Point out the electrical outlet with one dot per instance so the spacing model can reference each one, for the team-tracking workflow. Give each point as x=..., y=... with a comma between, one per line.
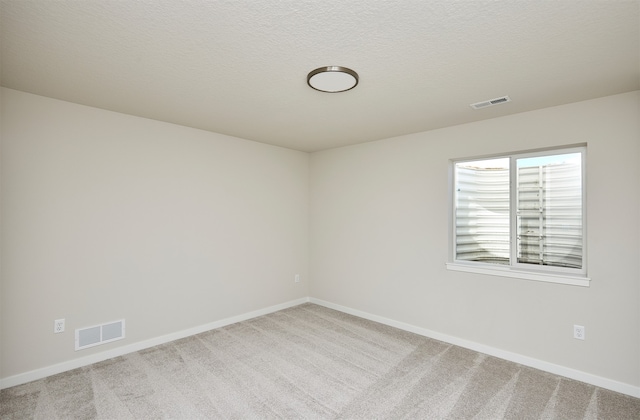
x=578, y=332
x=58, y=326
x=297, y=278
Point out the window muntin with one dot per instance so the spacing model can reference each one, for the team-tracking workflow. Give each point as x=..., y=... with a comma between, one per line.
x=523, y=211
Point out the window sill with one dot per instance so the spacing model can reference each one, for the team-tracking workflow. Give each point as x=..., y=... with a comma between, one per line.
x=526, y=275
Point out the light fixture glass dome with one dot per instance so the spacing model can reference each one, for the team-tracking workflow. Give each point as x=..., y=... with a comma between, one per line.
x=332, y=79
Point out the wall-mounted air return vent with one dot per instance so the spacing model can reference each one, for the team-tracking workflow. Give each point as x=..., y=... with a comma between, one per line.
x=99, y=334
x=491, y=102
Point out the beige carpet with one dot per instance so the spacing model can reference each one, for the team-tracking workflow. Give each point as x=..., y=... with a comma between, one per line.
x=310, y=362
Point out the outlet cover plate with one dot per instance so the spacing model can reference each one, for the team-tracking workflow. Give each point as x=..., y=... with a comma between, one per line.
x=58, y=326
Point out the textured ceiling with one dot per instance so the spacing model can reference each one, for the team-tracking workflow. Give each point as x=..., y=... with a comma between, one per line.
x=239, y=67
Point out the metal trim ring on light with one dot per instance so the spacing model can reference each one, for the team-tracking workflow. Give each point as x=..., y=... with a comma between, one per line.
x=333, y=69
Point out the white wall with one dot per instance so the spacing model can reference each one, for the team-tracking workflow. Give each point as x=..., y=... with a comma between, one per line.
x=108, y=216
x=379, y=239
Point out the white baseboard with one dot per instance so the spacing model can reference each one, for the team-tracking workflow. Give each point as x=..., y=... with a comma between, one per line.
x=130, y=348
x=599, y=381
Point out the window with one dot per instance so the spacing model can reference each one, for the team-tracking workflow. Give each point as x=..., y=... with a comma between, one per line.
x=521, y=215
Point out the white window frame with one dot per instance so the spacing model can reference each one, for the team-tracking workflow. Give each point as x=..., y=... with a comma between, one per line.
x=570, y=276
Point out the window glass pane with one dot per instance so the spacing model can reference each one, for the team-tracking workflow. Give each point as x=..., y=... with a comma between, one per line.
x=549, y=210
x=482, y=211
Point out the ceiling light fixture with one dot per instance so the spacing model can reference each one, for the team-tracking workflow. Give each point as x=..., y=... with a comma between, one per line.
x=332, y=79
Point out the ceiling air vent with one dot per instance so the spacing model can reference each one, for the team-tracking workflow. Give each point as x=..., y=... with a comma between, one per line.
x=491, y=102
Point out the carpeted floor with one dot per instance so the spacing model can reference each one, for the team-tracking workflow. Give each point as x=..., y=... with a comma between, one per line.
x=310, y=362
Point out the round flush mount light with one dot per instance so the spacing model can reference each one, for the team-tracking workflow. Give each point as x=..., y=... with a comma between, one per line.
x=332, y=79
